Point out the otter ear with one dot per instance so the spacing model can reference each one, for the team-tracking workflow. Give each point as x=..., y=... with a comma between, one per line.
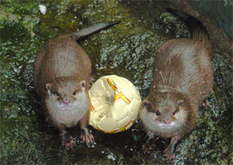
x=147, y=105
x=180, y=102
x=48, y=87
x=83, y=85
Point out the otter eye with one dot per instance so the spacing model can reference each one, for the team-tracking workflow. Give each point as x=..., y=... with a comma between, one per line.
x=57, y=94
x=157, y=113
x=175, y=112
x=74, y=93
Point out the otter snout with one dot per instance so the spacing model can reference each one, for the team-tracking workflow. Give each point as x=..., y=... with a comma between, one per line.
x=66, y=102
x=167, y=121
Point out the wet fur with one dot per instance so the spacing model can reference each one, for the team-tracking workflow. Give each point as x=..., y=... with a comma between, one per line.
x=62, y=62
x=60, y=57
x=182, y=126
x=182, y=73
x=62, y=73
x=71, y=117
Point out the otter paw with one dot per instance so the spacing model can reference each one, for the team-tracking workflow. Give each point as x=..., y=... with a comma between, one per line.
x=206, y=103
x=86, y=136
x=170, y=155
x=148, y=146
x=67, y=141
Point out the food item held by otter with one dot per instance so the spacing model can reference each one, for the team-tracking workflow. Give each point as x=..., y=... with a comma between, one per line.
x=62, y=74
x=182, y=80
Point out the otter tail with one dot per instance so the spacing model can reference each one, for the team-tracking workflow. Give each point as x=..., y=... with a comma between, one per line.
x=197, y=29
x=92, y=29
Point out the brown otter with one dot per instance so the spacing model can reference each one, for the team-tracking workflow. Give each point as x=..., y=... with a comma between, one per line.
x=182, y=80
x=62, y=74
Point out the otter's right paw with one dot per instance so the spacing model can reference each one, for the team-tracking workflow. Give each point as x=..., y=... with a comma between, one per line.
x=148, y=146
x=67, y=141
x=169, y=152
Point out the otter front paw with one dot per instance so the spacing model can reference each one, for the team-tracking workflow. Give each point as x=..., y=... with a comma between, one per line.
x=87, y=137
x=169, y=153
x=148, y=146
x=206, y=103
x=67, y=141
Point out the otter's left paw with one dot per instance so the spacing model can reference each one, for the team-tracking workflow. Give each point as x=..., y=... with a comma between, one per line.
x=206, y=104
x=169, y=153
x=87, y=137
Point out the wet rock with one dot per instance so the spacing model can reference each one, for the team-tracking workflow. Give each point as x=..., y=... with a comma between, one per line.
x=126, y=50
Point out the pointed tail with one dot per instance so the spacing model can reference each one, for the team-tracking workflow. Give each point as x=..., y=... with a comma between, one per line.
x=197, y=29
x=93, y=29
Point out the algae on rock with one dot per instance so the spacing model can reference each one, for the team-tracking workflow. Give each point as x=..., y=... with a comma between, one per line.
x=127, y=50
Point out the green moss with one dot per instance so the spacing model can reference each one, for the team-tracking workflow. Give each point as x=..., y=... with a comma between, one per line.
x=60, y=19
x=12, y=32
x=128, y=50
x=20, y=6
x=24, y=132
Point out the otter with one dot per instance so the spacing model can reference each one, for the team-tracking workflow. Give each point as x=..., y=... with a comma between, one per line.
x=182, y=78
x=62, y=72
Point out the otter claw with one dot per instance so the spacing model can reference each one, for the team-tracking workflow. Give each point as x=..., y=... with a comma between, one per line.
x=148, y=146
x=206, y=104
x=169, y=154
x=87, y=137
x=67, y=141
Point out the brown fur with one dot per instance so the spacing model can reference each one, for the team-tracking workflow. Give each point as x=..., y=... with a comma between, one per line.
x=62, y=73
x=60, y=66
x=182, y=80
x=60, y=57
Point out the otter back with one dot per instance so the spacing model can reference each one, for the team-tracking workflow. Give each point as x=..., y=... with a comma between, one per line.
x=184, y=65
x=60, y=57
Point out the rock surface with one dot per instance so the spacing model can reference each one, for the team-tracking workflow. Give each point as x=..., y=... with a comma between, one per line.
x=126, y=50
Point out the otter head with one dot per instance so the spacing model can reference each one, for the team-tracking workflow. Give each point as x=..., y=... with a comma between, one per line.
x=66, y=94
x=164, y=117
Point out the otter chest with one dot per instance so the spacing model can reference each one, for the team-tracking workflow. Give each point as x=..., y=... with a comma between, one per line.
x=71, y=117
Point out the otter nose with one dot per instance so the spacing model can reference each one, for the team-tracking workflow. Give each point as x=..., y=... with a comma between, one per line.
x=167, y=121
x=66, y=101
